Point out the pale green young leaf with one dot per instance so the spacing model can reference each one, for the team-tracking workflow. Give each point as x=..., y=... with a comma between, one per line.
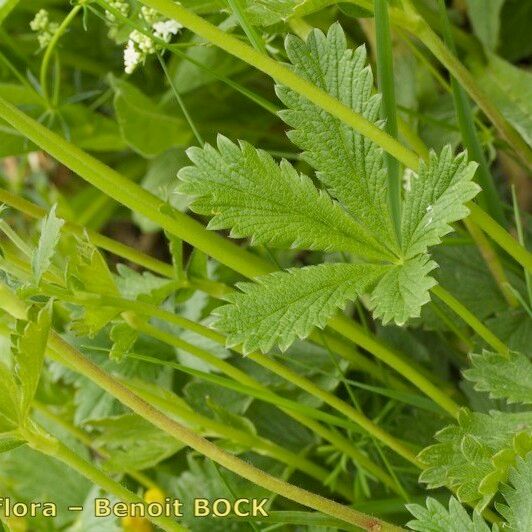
x=351, y=166
x=518, y=508
x=283, y=306
x=403, y=290
x=473, y=456
x=434, y=517
x=89, y=272
x=244, y=189
x=434, y=198
x=124, y=338
x=43, y=254
x=29, y=347
x=504, y=377
x=9, y=400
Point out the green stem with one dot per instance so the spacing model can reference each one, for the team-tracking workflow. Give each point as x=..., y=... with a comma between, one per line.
x=356, y=334
x=54, y=448
x=254, y=38
x=72, y=358
x=253, y=442
x=431, y=40
x=386, y=85
x=86, y=440
x=488, y=197
x=492, y=261
x=500, y=236
x=521, y=238
x=470, y=319
x=51, y=47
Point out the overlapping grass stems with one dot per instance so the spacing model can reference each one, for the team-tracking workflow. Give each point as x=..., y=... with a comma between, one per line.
x=250, y=265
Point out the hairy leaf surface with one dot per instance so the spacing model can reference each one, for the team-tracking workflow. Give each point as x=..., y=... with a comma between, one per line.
x=503, y=377
x=434, y=199
x=283, y=306
x=402, y=291
x=351, y=166
x=436, y=518
x=246, y=191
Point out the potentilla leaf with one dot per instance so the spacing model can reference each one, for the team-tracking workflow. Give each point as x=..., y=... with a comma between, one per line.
x=351, y=166
x=283, y=306
x=434, y=199
x=434, y=517
x=29, y=347
x=245, y=190
x=504, y=377
x=474, y=456
x=518, y=510
x=402, y=292
x=43, y=254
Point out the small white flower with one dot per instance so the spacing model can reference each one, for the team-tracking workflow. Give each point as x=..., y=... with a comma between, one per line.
x=132, y=57
x=165, y=29
x=119, y=5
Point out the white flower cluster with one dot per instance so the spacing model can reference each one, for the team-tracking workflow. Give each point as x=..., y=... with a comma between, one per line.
x=43, y=27
x=140, y=46
x=119, y=5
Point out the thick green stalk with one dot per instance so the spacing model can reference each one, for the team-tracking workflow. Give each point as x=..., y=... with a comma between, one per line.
x=72, y=358
x=470, y=319
x=54, y=448
x=45, y=65
x=488, y=197
x=386, y=85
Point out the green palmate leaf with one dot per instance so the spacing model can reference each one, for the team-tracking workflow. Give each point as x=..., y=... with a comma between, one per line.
x=472, y=457
x=43, y=254
x=351, y=166
x=247, y=191
x=436, y=518
x=9, y=400
x=434, y=199
x=402, y=291
x=283, y=306
x=504, y=377
x=29, y=347
x=518, y=511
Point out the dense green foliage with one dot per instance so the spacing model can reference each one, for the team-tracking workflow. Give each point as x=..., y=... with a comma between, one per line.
x=254, y=246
